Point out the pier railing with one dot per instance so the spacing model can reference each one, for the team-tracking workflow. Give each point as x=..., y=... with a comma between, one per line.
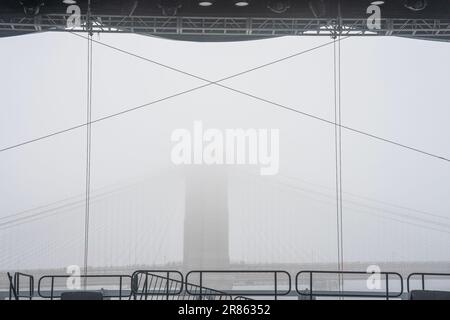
x=385, y=293
x=277, y=277
x=224, y=285
x=54, y=290
x=424, y=276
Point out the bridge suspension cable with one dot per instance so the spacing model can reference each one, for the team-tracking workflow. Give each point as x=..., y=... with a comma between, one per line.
x=338, y=150
x=218, y=83
x=88, y=143
x=210, y=83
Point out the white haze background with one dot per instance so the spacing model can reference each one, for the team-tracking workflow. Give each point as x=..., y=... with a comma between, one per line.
x=392, y=87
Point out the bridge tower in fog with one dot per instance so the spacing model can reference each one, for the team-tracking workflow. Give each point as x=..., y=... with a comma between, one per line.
x=206, y=244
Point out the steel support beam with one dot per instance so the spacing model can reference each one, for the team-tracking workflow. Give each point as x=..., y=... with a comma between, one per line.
x=223, y=27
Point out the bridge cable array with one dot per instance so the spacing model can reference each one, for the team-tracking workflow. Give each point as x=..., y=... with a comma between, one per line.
x=210, y=83
x=218, y=83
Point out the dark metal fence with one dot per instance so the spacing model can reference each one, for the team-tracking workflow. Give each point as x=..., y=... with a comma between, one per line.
x=156, y=284
x=12, y=289
x=172, y=285
x=56, y=294
x=273, y=274
x=169, y=285
x=423, y=279
x=17, y=281
x=311, y=293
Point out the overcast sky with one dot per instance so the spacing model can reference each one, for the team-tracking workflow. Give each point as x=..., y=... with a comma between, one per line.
x=396, y=201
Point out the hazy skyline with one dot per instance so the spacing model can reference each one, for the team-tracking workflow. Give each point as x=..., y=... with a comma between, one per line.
x=392, y=87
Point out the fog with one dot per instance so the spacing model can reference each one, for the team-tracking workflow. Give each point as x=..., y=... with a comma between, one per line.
x=396, y=201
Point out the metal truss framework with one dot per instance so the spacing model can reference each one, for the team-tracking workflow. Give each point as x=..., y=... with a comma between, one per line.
x=437, y=29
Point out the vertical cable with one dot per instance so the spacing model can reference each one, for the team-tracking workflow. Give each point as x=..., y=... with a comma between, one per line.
x=88, y=143
x=340, y=154
x=338, y=145
x=340, y=157
x=336, y=149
